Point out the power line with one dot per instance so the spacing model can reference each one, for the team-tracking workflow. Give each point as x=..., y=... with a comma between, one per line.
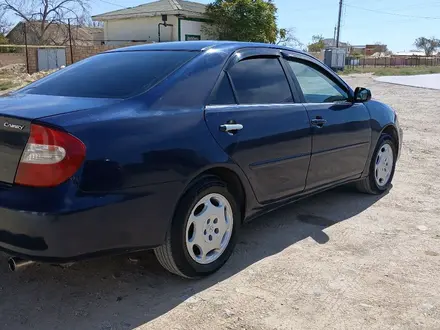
x=393, y=14
x=112, y=3
x=380, y=2
x=410, y=7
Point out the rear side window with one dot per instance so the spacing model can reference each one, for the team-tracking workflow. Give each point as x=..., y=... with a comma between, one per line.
x=223, y=94
x=112, y=75
x=260, y=81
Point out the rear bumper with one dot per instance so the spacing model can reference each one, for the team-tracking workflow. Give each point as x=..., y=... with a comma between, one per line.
x=100, y=225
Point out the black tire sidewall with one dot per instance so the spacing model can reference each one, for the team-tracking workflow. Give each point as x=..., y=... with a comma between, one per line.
x=181, y=256
x=384, y=139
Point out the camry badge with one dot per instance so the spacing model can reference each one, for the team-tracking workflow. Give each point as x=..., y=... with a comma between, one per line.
x=20, y=127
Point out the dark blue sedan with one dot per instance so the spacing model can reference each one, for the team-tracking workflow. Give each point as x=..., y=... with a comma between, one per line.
x=172, y=146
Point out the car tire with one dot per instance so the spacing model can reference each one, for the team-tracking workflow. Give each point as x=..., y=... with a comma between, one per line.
x=200, y=240
x=380, y=174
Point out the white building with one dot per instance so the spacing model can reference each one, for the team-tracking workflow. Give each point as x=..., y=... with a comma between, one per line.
x=163, y=20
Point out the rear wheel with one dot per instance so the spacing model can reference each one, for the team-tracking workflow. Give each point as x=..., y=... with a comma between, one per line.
x=382, y=167
x=203, y=232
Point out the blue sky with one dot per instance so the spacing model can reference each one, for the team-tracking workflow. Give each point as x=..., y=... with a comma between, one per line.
x=363, y=21
x=396, y=23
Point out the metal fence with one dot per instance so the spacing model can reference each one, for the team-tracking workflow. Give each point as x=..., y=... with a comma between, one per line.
x=392, y=61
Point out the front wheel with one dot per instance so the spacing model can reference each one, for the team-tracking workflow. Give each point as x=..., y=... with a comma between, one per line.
x=203, y=232
x=382, y=167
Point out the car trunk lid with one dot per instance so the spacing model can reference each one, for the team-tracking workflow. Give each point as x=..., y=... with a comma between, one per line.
x=33, y=106
x=18, y=111
x=14, y=134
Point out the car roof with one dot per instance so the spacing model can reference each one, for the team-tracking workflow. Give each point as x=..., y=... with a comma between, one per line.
x=201, y=45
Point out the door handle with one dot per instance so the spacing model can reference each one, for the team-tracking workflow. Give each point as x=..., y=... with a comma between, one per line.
x=231, y=128
x=318, y=122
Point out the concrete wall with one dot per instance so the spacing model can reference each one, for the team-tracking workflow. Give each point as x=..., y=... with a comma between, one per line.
x=140, y=29
x=191, y=28
x=121, y=31
x=318, y=55
x=79, y=53
x=12, y=58
x=82, y=52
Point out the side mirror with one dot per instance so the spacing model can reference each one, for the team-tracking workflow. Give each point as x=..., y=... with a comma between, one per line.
x=362, y=94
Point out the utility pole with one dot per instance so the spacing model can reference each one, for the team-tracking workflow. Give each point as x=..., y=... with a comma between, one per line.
x=26, y=45
x=339, y=23
x=70, y=40
x=334, y=36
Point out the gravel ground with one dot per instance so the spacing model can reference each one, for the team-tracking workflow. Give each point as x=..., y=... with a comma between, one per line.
x=339, y=260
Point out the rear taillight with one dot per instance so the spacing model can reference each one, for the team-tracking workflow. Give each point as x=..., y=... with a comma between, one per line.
x=50, y=157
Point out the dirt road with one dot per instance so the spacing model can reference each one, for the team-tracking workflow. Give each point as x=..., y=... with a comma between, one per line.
x=339, y=260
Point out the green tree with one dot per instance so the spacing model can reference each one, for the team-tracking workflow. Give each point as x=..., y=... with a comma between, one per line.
x=4, y=28
x=242, y=20
x=286, y=37
x=3, y=39
x=356, y=54
x=317, y=44
x=429, y=45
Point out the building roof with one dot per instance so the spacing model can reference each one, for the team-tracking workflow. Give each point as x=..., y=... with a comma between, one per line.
x=156, y=8
x=330, y=42
x=381, y=54
x=413, y=53
x=57, y=34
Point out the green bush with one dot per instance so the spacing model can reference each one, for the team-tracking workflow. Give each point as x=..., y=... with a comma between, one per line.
x=4, y=85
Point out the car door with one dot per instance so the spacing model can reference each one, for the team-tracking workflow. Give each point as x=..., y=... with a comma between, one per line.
x=341, y=131
x=253, y=117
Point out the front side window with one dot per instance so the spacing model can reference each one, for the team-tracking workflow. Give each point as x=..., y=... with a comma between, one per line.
x=260, y=81
x=317, y=87
x=111, y=75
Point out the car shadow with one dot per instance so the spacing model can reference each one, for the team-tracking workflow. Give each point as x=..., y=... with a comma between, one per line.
x=123, y=292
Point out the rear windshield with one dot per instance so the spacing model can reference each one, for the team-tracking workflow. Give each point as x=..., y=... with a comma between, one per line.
x=112, y=75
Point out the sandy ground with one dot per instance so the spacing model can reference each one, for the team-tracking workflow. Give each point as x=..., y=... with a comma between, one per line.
x=423, y=80
x=340, y=260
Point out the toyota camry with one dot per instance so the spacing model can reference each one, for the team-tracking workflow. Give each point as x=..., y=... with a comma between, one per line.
x=173, y=146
